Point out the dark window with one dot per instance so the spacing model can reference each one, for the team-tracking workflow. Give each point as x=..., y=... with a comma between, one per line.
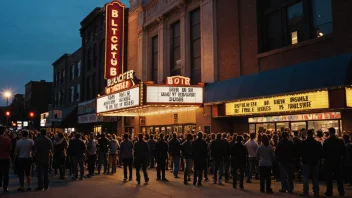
x=73, y=68
x=89, y=59
x=287, y=22
x=196, y=66
x=175, y=51
x=155, y=53
x=78, y=69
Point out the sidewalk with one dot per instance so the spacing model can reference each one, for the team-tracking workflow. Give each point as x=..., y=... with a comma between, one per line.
x=113, y=186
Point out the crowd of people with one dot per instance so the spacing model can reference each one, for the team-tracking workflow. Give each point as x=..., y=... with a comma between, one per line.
x=285, y=156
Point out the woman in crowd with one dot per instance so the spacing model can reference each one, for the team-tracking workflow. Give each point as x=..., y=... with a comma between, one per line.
x=265, y=155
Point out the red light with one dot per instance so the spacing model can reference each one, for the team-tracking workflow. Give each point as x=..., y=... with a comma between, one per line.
x=13, y=124
x=8, y=113
x=31, y=114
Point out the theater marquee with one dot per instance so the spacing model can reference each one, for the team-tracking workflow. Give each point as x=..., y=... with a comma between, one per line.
x=114, y=39
x=287, y=103
x=174, y=94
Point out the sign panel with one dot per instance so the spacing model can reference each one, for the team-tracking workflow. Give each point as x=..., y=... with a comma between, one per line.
x=114, y=38
x=87, y=107
x=296, y=102
x=90, y=118
x=348, y=97
x=118, y=101
x=299, y=117
x=120, y=82
x=178, y=80
x=180, y=95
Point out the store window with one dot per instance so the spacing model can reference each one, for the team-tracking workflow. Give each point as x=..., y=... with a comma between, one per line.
x=97, y=129
x=324, y=125
x=322, y=17
x=175, y=50
x=262, y=127
x=155, y=55
x=297, y=126
x=195, y=47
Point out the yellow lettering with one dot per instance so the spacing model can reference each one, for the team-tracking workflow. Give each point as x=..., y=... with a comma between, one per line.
x=113, y=24
x=113, y=62
x=114, y=31
x=113, y=54
x=114, y=39
x=113, y=47
x=113, y=71
x=115, y=13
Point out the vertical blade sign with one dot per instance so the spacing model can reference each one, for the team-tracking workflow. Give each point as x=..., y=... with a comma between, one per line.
x=114, y=39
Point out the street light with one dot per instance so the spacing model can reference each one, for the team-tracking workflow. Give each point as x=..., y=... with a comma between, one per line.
x=7, y=95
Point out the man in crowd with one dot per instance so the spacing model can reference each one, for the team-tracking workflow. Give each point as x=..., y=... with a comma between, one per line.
x=161, y=149
x=226, y=158
x=285, y=154
x=200, y=154
x=23, y=156
x=333, y=153
x=187, y=155
x=252, y=147
x=310, y=152
x=5, y=149
x=175, y=153
x=43, y=146
x=141, y=154
x=92, y=154
x=127, y=156
x=103, y=145
x=78, y=148
x=218, y=151
x=151, y=146
x=238, y=154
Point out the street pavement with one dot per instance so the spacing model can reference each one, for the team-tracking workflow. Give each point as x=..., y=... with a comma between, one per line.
x=113, y=186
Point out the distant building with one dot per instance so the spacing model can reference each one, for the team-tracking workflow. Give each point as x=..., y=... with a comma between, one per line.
x=38, y=96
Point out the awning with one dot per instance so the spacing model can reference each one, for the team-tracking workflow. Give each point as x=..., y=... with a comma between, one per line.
x=323, y=73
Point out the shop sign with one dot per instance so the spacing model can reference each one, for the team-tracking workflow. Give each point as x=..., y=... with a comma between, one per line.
x=299, y=117
x=178, y=80
x=90, y=118
x=42, y=122
x=118, y=101
x=349, y=97
x=287, y=103
x=120, y=82
x=87, y=107
x=180, y=95
x=114, y=38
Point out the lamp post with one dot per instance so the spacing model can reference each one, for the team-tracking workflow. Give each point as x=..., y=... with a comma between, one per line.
x=7, y=95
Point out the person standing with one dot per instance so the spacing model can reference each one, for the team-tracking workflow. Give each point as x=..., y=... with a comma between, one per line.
x=42, y=148
x=347, y=165
x=310, y=152
x=92, y=154
x=161, y=149
x=238, y=154
x=187, y=155
x=127, y=156
x=200, y=154
x=226, y=157
x=114, y=147
x=5, y=150
x=218, y=150
x=175, y=153
x=141, y=154
x=151, y=146
x=60, y=148
x=103, y=146
x=78, y=149
x=285, y=155
x=252, y=147
x=333, y=153
x=265, y=155
x=23, y=156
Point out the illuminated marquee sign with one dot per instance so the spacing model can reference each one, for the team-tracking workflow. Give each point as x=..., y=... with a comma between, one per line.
x=120, y=82
x=168, y=94
x=297, y=102
x=178, y=80
x=348, y=97
x=114, y=38
x=119, y=100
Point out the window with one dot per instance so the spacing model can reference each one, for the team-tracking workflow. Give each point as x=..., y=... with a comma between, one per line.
x=78, y=92
x=72, y=72
x=89, y=59
x=72, y=91
x=196, y=65
x=322, y=17
x=78, y=69
x=175, y=53
x=282, y=23
x=154, y=70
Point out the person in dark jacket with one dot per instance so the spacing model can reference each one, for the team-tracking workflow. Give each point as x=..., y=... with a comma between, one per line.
x=297, y=163
x=347, y=164
x=218, y=150
x=141, y=154
x=285, y=155
x=226, y=158
x=151, y=146
x=200, y=154
x=161, y=149
x=127, y=156
x=239, y=155
x=5, y=149
x=187, y=155
x=103, y=147
x=78, y=148
x=333, y=153
x=310, y=151
x=175, y=153
x=42, y=148
x=60, y=148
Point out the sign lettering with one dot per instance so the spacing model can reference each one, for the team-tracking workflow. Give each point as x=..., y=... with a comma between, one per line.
x=163, y=94
x=118, y=101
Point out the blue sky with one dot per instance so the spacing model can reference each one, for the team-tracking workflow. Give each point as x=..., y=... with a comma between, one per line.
x=33, y=34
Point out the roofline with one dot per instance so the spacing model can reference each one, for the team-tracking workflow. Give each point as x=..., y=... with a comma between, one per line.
x=58, y=60
x=92, y=15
